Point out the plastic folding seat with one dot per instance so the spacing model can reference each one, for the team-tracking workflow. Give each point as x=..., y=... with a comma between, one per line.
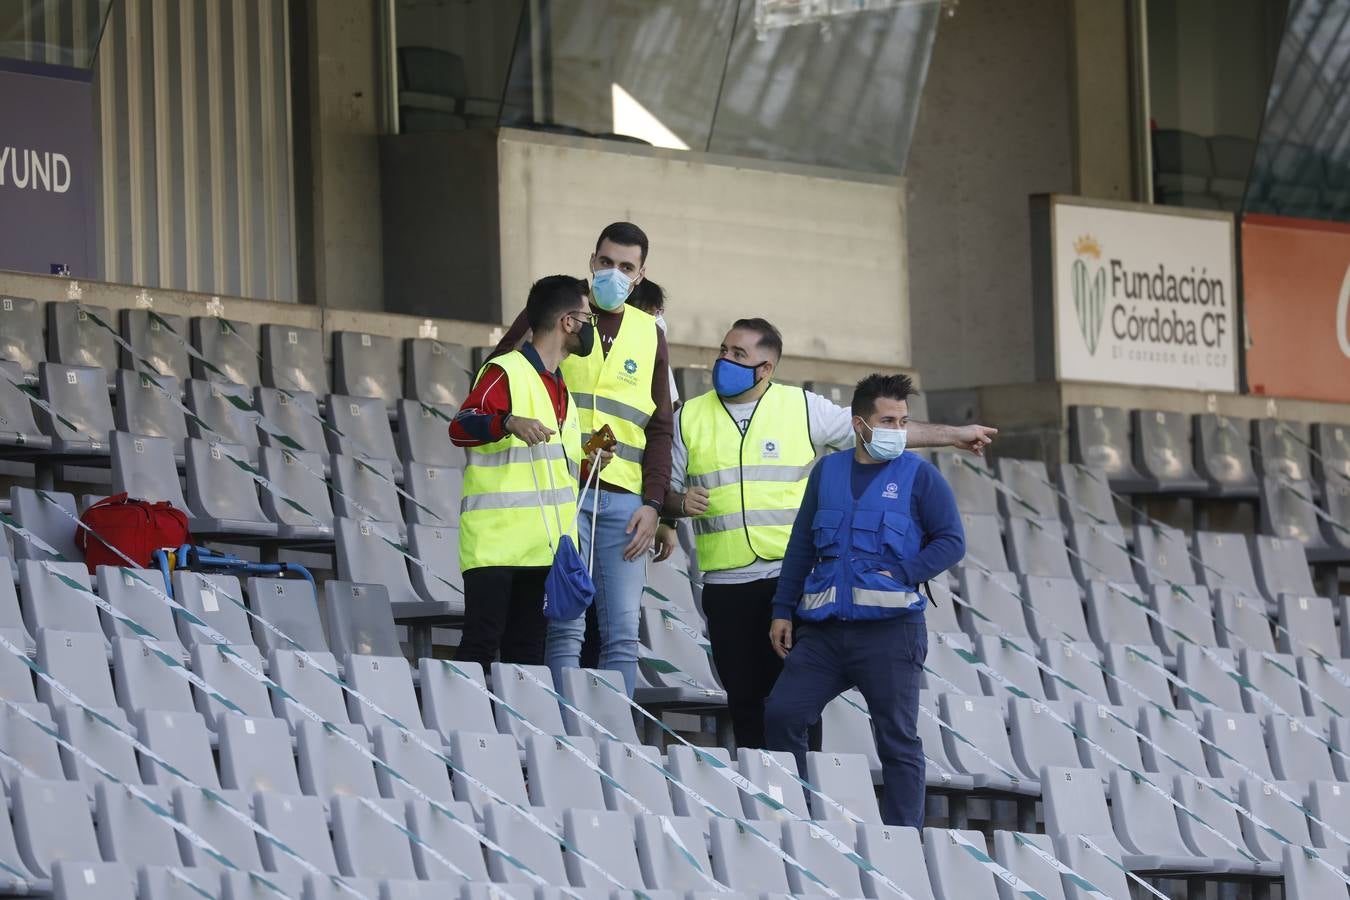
x=1287, y=511
x=980, y=721
x=1034, y=496
x=363, y=555
x=245, y=692
x=48, y=601
x=307, y=685
x=1227, y=848
x=81, y=880
x=896, y=853
x=1183, y=608
x=1241, y=737
x=742, y=862
x=491, y=759
x=1162, y=451
x=513, y=686
x=1264, y=672
x=1036, y=547
x=45, y=520
x=438, y=490
x=945, y=670
x=449, y=702
x=630, y=765
x=1114, y=617
x=940, y=613
x=367, y=844
x=423, y=435
x=359, y=426
x=774, y=771
x=17, y=410
x=1138, y=667
x=156, y=340
x=1164, y=549
x=227, y=412
x=1011, y=851
x=1097, y=725
x=1172, y=745
x=1332, y=443
x=1297, y=749
x=256, y=755
x=846, y=727
x=174, y=883
x=525, y=842
x=846, y=778
x=494, y=891
x=144, y=681
x=670, y=644
x=1266, y=804
x=21, y=333
x=228, y=346
x=803, y=842
x=435, y=371
x=242, y=886
x=181, y=739
x=1038, y=738
x=290, y=605
x=215, y=599
x=438, y=579
x=1281, y=567
x=75, y=337
x=360, y=619
x=51, y=822
x=1338, y=510
x=1223, y=455
x=365, y=365
x=1100, y=437
x=1077, y=662
x=364, y=489
x=440, y=832
x=1282, y=449
x=330, y=765
x=984, y=545
x=1146, y=825
x=1240, y=622
x=387, y=681
x=324, y=888
x=292, y=358
x=1307, y=878
x=143, y=408
x=1206, y=675
x=1017, y=668
x=955, y=873
x=98, y=742
x=144, y=467
x=28, y=743
x=996, y=598
x=77, y=660
x=583, y=688
x=129, y=831
x=298, y=477
x=659, y=858
x=1328, y=802
x=16, y=679
x=425, y=773
x=78, y=397
x=1098, y=871
x=1057, y=608
x=300, y=823
x=293, y=416
x=1099, y=553
x=222, y=498
x=971, y=482
x=134, y=596
x=1084, y=494
x=692, y=769
x=605, y=838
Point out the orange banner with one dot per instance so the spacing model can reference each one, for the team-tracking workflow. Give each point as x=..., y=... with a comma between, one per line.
x=1296, y=286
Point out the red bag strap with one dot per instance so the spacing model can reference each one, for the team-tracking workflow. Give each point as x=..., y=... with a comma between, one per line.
x=114, y=500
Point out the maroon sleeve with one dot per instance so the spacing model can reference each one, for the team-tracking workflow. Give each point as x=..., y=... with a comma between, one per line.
x=480, y=417
x=660, y=429
x=514, y=335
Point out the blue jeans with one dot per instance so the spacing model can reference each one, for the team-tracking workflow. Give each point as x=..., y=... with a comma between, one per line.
x=884, y=659
x=618, y=591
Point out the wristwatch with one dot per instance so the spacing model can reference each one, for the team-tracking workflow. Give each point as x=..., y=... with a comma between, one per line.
x=654, y=504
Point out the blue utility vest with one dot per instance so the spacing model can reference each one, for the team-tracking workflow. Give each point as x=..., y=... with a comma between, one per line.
x=859, y=544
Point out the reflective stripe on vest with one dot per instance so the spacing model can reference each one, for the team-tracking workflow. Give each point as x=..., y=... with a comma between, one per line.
x=500, y=518
x=615, y=389
x=755, y=481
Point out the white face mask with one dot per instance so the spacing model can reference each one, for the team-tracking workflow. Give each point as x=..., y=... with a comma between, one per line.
x=661, y=323
x=886, y=443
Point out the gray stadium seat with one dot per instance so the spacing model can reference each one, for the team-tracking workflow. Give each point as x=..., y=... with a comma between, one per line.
x=1198, y=796
x=660, y=859
x=307, y=685
x=292, y=358
x=1099, y=553
x=943, y=664
x=605, y=838
x=1185, y=608
x=82, y=418
x=77, y=661
x=364, y=489
x=897, y=854
x=45, y=521
x=1038, y=739
x=1287, y=511
x=995, y=597
x=940, y=614
x=1329, y=801
x=672, y=645
x=80, y=880
x=143, y=681
x=526, y=843
x=329, y=765
x=1113, y=616
x=300, y=823
x=694, y=381
x=1027, y=479
x=491, y=759
x=1264, y=672
x=845, y=778
x=1305, y=878
x=584, y=690
x=1241, y=737
x=1308, y=625
x=1162, y=451
x=153, y=343
x=629, y=766
x=974, y=490
x=1208, y=678
x=438, y=579
x=324, y=888
x=1227, y=562
x=437, y=488
x=255, y=755
x=51, y=822
x=48, y=602
x=298, y=477
x=1146, y=826
x=423, y=435
x=846, y=727
x=1223, y=455
x=142, y=407
x=435, y=371
x=1130, y=665
x=21, y=333
x=387, y=682
x=227, y=411
x=1240, y=621
x=1012, y=853
x=1085, y=494
x=955, y=873
x=1058, y=608
x=359, y=426
x=774, y=771
x=449, y=703
x=144, y=467
x=1338, y=509
x=182, y=740
x=441, y=833
x=1324, y=684
x=984, y=545
x=235, y=840
x=1174, y=749
x=803, y=842
x=295, y=415
x=174, y=883
x=1017, y=668
x=365, y=365
x=134, y=597
x=230, y=681
x=228, y=345
x=28, y=743
x=74, y=338
x=222, y=498
x=1100, y=872
x=494, y=891
x=980, y=721
x=366, y=844
x=98, y=742
x=1075, y=803
x=129, y=832
x=1275, y=811
x=21, y=425
x=742, y=862
x=1095, y=723
x=693, y=771
x=16, y=679
x=1297, y=750
x=1099, y=437
x=364, y=556
x=11, y=616
x=511, y=685
x=1279, y=453
x=1164, y=549
x=1332, y=443
x=1069, y=662
x=1281, y=567
x=290, y=605
x=215, y=599
x=418, y=766
x=359, y=619
x=1036, y=547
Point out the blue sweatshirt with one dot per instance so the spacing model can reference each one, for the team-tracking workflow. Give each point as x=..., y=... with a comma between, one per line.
x=932, y=506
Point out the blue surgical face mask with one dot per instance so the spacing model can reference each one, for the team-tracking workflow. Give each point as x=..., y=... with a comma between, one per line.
x=610, y=288
x=731, y=378
x=886, y=443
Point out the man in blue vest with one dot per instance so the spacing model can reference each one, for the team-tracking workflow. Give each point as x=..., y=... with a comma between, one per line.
x=874, y=525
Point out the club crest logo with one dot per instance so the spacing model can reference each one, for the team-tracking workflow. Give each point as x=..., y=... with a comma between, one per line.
x=1089, y=290
x=630, y=366
x=892, y=491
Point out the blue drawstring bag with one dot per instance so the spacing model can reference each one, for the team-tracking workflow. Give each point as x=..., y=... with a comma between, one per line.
x=568, y=589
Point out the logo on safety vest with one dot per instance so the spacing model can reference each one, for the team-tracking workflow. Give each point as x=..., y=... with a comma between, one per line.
x=892, y=491
x=630, y=366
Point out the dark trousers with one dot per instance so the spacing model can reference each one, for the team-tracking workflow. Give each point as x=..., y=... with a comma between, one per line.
x=504, y=613
x=738, y=629
x=884, y=660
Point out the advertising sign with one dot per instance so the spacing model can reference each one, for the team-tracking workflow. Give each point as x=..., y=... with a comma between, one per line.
x=1296, y=286
x=1138, y=296
x=46, y=169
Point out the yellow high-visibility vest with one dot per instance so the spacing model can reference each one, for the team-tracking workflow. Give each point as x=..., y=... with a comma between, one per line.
x=501, y=522
x=755, y=481
x=615, y=389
